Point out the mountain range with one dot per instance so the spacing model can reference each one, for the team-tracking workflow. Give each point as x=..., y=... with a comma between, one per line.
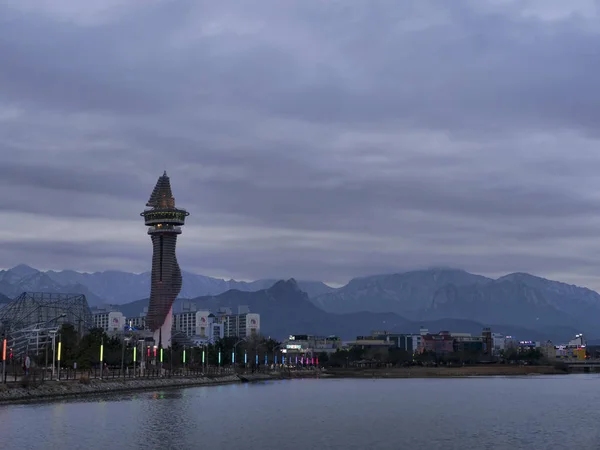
x=116, y=287
x=518, y=300
x=285, y=309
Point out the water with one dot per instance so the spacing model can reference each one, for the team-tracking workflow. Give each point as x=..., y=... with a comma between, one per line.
x=561, y=412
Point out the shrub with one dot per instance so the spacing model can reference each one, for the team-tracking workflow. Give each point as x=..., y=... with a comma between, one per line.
x=84, y=379
x=25, y=382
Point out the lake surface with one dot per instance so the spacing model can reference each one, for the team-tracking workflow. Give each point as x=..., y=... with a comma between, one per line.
x=561, y=412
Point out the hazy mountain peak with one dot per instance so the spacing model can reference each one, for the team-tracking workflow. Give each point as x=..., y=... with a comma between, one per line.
x=288, y=285
x=23, y=270
x=521, y=276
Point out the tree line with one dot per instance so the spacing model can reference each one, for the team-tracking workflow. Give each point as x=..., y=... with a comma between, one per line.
x=85, y=351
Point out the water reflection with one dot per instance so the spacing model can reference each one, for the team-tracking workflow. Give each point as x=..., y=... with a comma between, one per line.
x=494, y=413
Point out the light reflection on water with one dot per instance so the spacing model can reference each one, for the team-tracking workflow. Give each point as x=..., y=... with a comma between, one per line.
x=476, y=413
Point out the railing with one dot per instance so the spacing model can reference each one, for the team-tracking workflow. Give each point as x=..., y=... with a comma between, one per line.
x=39, y=375
x=152, y=230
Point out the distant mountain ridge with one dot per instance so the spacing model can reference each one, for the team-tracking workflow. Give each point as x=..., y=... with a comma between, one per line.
x=518, y=299
x=406, y=293
x=285, y=309
x=117, y=287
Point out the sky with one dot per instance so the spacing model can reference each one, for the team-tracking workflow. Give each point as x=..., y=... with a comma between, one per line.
x=310, y=139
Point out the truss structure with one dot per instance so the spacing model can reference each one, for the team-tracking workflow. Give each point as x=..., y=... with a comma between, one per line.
x=31, y=319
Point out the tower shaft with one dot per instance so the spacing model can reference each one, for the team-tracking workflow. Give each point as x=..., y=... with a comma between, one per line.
x=164, y=222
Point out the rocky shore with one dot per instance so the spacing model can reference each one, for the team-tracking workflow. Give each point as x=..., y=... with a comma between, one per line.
x=11, y=393
x=15, y=393
x=50, y=390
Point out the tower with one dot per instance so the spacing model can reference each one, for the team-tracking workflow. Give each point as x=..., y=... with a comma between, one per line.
x=164, y=223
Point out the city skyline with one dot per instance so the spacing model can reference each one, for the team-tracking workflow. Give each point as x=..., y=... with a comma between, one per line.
x=311, y=140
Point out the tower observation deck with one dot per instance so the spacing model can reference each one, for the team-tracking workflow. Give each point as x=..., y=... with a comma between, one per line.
x=164, y=222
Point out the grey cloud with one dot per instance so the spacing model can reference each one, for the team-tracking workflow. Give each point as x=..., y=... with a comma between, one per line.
x=461, y=132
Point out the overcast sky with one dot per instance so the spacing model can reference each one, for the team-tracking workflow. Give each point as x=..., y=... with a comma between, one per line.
x=307, y=138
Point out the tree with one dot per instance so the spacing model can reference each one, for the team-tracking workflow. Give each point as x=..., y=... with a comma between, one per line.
x=69, y=339
x=88, y=351
x=398, y=356
x=323, y=358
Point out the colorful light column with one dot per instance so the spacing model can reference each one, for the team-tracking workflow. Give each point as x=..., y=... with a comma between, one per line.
x=58, y=354
x=4, y=360
x=101, y=357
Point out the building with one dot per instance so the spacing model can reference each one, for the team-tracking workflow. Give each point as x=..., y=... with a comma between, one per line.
x=407, y=342
x=109, y=321
x=137, y=323
x=548, y=350
x=303, y=345
x=499, y=341
x=440, y=344
x=205, y=325
x=243, y=325
x=164, y=222
x=577, y=341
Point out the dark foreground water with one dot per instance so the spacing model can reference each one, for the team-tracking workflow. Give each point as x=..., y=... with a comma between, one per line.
x=530, y=413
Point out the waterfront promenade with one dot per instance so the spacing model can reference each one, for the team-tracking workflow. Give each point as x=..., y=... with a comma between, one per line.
x=73, y=384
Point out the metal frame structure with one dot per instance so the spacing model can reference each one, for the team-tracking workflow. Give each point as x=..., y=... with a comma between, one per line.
x=29, y=321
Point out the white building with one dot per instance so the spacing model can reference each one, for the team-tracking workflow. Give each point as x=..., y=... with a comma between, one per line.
x=499, y=340
x=204, y=325
x=578, y=341
x=242, y=325
x=109, y=321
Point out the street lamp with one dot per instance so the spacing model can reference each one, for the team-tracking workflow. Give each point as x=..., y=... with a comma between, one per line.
x=123, y=355
x=53, y=333
x=59, y=352
x=275, y=353
x=234, y=351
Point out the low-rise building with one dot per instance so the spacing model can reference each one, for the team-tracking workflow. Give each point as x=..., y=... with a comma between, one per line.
x=110, y=321
x=407, y=342
x=301, y=344
x=440, y=344
x=548, y=350
x=466, y=343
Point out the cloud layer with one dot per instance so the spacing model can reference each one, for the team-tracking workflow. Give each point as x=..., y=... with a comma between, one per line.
x=320, y=140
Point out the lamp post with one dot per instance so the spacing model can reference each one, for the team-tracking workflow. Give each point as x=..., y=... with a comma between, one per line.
x=53, y=333
x=123, y=355
x=234, y=350
x=59, y=352
x=134, y=357
x=101, y=357
x=4, y=359
x=275, y=354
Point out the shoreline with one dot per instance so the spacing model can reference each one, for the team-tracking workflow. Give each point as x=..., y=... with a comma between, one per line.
x=446, y=372
x=59, y=390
